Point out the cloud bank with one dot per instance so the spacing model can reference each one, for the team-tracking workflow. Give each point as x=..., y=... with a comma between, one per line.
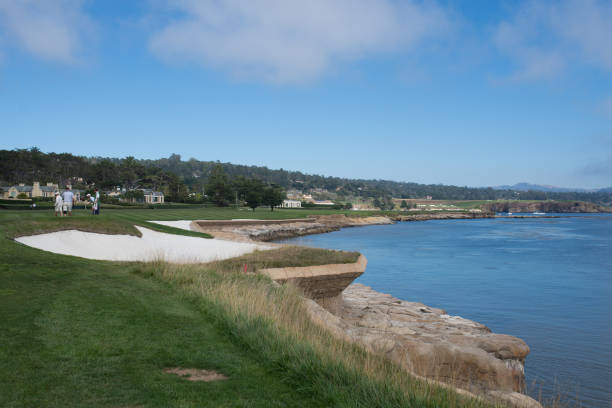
x=545, y=38
x=600, y=168
x=285, y=41
x=48, y=29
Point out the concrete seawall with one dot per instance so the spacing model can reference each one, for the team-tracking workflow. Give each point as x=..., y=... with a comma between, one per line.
x=324, y=283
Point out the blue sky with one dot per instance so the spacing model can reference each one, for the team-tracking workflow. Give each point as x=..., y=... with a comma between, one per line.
x=457, y=92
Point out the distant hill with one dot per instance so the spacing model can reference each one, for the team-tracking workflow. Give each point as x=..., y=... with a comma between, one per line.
x=552, y=189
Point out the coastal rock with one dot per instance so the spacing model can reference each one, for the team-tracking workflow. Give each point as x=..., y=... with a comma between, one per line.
x=544, y=206
x=270, y=230
x=443, y=216
x=431, y=343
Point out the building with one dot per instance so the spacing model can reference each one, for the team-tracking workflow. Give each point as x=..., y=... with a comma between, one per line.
x=324, y=202
x=153, y=197
x=291, y=204
x=33, y=191
x=115, y=193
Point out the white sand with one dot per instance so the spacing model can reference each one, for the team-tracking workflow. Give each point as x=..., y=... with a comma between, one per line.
x=183, y=224
x=151, y=246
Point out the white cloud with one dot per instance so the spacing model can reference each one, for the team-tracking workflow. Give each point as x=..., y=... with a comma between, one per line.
x=286, y=41
x=48, y=29
x=546, y=37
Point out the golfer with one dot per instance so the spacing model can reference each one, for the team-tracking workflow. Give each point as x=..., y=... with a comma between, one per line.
x=68, y=198
x=59, y=204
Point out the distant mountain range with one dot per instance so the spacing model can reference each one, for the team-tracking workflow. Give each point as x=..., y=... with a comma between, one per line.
x=551, y=189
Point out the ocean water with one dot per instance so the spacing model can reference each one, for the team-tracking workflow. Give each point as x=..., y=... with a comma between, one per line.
x=545, y=280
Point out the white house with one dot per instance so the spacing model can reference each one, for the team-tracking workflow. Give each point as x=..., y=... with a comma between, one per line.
x=324, y=202
x=291, y=204
x=153, y=197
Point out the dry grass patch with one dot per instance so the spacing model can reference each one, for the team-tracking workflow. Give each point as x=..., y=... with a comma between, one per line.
x=196, y=374
x=282, y=258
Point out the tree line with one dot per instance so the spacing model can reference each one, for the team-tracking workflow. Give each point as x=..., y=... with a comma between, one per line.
x=185, y=180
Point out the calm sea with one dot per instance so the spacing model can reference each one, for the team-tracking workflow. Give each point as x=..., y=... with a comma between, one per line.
x=547, y=281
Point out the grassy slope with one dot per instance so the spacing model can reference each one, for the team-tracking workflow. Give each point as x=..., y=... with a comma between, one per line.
x=75, y=332
x=81, y=333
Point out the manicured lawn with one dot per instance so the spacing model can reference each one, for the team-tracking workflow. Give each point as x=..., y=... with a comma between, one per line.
x=122, y=221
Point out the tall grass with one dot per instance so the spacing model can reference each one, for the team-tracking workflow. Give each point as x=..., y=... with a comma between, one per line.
x=286, y=256
x=272, y=322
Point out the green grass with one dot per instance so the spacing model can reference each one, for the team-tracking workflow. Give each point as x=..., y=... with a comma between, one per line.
x=76, y=333
x=122, y=221
x=83, y=333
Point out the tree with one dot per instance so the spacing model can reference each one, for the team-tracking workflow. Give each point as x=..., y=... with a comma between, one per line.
x=253, y=199
x=106, y=174
x=176, y=188
x=218, y=188
x=273, y=196
x=130, y=172
x=404, y=204
x=386, y=203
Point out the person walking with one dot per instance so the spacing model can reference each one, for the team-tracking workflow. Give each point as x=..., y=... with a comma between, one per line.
x=68, y=198
x=97, y=202
x=59, y=204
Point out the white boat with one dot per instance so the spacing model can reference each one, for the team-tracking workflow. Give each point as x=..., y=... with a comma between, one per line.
x=539, y=213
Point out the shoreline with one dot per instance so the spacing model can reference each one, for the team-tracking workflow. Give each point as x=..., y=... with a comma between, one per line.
x=273, y=230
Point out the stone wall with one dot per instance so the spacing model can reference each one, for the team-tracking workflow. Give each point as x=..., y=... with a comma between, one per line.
x=323, y=283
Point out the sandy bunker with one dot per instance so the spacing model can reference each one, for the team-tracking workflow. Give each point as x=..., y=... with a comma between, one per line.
x=151, y=246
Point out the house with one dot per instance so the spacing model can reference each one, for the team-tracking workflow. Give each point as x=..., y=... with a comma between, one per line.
x=308, y=198
x=14, y=191
x=153, y=197
x=115, y=193
x=291, y=204
x=44, y=191
x=324, y=202
x=35, y=190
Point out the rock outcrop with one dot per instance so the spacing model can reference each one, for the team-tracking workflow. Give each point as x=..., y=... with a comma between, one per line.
x=431, y=344
x=545, y=206
x=443, y=216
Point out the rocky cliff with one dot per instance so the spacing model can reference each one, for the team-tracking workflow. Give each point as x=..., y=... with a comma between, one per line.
x=432, y=344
